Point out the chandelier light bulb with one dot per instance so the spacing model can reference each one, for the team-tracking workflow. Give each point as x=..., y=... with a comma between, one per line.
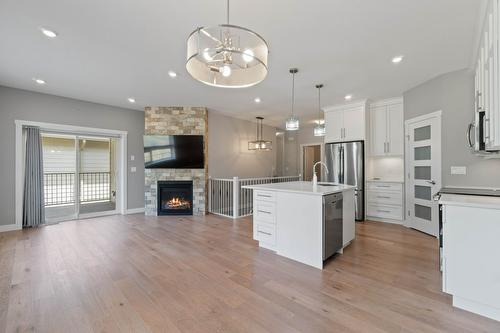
x=226, y=70
x=248, y=55
x=206, y=55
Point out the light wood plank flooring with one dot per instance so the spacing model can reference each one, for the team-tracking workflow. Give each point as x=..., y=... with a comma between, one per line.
x=193, y=274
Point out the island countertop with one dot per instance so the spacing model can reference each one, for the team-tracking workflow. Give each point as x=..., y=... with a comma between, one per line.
x=302, y=187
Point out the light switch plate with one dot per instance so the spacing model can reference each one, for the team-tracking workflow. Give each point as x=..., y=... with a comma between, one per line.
x=458, y=170
x=132, y=157
x=133, y=169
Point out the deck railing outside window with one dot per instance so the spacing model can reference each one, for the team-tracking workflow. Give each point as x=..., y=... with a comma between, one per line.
x=228, y=198
x=59, y=188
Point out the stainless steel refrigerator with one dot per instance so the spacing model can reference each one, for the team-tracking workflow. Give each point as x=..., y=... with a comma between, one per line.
x=346, y=165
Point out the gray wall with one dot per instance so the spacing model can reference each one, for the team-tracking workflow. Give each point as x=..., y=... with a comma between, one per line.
x=18, y=104
x=228, y=154
x=453, y=93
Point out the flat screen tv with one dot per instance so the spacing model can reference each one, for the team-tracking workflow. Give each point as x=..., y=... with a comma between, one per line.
x=173, y=152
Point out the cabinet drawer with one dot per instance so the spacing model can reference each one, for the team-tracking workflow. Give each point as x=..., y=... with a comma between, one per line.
x=264, y=211
x=265, y=233
x=264, y=195
x=379, y=186
x=385, y=198
x=383, y=211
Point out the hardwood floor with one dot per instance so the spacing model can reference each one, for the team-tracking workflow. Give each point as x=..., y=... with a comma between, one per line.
x=191, y=274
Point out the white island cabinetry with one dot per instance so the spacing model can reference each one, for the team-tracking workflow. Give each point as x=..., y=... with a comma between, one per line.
x=288, y=219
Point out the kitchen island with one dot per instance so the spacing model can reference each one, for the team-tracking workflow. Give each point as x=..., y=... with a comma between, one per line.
x=288, y=219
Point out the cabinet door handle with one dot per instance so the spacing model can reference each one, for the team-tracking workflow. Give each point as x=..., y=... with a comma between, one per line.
x=265, y=233
x=486, y=129
x=263, y=195
x=383, y=211
x=263, y=211
x=384, y=186
x=388, y=147
x=381, y=197
x=469, y=130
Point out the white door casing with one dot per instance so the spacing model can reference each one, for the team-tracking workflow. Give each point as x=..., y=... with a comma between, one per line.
x=423, y=172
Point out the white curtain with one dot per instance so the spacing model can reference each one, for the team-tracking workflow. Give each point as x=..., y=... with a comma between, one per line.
x=33, y=203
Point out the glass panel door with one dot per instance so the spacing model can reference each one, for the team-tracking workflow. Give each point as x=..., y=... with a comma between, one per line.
x=424, y=173
x=59, y=175
x=97, y=175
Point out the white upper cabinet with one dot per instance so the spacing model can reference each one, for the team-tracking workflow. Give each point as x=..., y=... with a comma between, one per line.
x=334, y=123
x=378, y=130
x=487, y=80
x=345, y=122
x=386, y=128
x=354, y=124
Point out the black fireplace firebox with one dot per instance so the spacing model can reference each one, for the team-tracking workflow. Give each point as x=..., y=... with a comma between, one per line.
x=175, y=197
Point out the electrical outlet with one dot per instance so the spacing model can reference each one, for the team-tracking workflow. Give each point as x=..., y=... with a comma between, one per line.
x=458, y=170
x=132, y=157
x=133, y=169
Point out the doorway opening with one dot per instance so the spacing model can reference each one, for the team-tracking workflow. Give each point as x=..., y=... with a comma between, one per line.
x=311, y=153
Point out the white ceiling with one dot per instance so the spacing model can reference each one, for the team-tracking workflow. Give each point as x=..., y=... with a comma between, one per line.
x=109, y=50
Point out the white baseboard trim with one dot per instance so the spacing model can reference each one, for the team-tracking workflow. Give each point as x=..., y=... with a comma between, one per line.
x=379, y=219
x=9, y=227
x=476, y=307
x=135, y=211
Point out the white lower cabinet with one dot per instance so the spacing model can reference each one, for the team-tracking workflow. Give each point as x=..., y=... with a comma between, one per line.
x=264, y=219
x=266, y=234
x=384, y=201
x=471, y=269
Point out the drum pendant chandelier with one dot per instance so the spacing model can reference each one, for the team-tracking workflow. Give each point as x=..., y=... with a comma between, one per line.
x=227, y=56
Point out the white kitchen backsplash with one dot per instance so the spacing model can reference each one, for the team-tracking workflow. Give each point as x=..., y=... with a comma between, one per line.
x=385, y=168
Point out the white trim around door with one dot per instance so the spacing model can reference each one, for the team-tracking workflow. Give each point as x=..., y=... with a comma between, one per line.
x=69, y=129
x=423, y=172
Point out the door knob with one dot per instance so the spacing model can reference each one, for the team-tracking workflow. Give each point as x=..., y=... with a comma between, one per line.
x=431, y=182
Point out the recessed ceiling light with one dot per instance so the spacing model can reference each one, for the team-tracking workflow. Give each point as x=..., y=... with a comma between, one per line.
x=172, y=74
x=257, y=99
x=397, y=59
x=49, y=33
x=131, y=100
x=39, y=81
x=348, y=97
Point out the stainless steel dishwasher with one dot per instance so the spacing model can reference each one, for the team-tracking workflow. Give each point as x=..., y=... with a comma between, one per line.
x=332, y=224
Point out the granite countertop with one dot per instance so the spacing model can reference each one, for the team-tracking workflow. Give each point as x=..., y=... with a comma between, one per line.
x=302, y=188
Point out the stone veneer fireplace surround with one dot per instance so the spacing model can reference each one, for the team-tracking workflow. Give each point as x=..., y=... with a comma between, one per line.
x=177, y=121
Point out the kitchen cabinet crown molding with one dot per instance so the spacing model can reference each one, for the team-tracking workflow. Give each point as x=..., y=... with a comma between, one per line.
x=387, y=101
x=340, y=107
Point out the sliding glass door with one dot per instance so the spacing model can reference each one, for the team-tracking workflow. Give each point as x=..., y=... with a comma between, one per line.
x=79, y=175
x=59, y=177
